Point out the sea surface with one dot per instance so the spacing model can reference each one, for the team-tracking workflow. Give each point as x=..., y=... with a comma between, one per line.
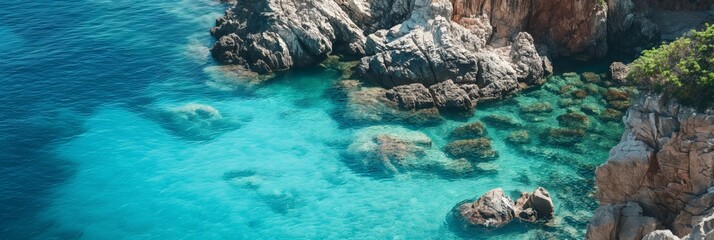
x=93, y=143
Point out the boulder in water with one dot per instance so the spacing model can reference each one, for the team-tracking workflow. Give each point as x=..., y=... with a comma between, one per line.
x=519, y=137
x=471, y=130
x=539, y=107
x=371, y=105
x=564, y=135
x=493, y=209
x=196, y=121
x=392, y=149
x=502, y=121
x=535, y=206
x=574, y=120
x=411, y=97
x=611, y=115
x=471, y=149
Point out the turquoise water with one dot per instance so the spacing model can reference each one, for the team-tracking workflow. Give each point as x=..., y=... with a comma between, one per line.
x=95, y=145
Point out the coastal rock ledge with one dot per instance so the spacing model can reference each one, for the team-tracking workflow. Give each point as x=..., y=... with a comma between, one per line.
x=398, y=42
x=657, y=182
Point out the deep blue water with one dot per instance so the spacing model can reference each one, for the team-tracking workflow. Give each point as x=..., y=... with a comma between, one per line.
x=90, y=148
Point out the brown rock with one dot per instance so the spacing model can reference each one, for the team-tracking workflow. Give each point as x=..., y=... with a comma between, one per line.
x=535, y=206
x=616, y=94
x=539, y=107
x=471, y=149
x=574, y=120
x=591, y=77
x=471, y=130
x=620, y=221
x=664, y=163
x=450, y=96
x=611, y=115
x=493, y=209
x=618, y=72
x=564, y=135
x=580, y=94
x=411, y=97
x=619, y=104
x=519, y=137
x=550, y=22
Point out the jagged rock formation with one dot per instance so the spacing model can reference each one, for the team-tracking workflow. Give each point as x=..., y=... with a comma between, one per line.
x=488, y=45
x=665, y=164
x=275, y=35
x=566, y=27
x=429, y=41
x=495, y=209
x=401, y=42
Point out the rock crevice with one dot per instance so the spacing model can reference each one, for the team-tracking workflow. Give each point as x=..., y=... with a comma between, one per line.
x=664, y=163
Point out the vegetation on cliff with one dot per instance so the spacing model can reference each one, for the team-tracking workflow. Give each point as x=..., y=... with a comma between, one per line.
x=683, y=68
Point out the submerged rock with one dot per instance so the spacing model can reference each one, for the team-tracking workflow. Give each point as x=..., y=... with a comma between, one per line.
x=459, y=166
x=471, y=149
x=574, y=120
x=502, y=121
x=620, y=104
x=591, y=77
x=564, y=135
x=471, y=130
x=613, y=94
x=371, y=105
x=591, y=109
x=390, y=148
x=611, y=115
x=196, y=121
x=539, y=107
x=519, y=137
x=579, y=94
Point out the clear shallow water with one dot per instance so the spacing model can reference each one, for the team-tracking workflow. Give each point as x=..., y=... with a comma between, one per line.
x=88, y=154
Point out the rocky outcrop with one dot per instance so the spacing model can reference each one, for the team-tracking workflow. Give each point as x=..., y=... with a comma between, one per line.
x=620, y=221
x=274, y=35
x=618, y=72
x=429, y=41
x=552, y=23
x=665, y=164
x=195, y=121
x=401, y=42
x=495, y=209
x=429, y=48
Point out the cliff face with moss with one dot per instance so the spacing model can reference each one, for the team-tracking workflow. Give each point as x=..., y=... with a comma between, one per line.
x=660, y=176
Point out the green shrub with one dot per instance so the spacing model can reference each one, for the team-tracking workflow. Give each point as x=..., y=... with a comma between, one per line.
x=683, y=69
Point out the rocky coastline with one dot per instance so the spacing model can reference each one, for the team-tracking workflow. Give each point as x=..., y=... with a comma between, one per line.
x=416, y=60
x=660, y=176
